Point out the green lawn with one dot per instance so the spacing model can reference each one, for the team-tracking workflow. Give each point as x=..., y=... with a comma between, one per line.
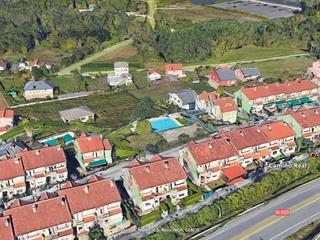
x=281, y=68
x=251, y=53
x=113, y=109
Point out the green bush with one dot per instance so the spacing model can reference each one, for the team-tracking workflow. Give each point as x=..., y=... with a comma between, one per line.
x=143, y=127
x=150, y=217
x=182, y=120
x=184, y=138
x=192, y=199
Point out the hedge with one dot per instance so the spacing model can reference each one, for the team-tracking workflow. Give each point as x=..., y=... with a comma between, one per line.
x=187, y=201
x=150, y=217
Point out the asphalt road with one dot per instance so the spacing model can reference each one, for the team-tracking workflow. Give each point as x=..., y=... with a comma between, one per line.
x=262, y=224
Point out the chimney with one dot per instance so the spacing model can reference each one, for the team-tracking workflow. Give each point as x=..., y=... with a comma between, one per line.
x=38, y=152
x=316, y=111
x=86, y=189
x=34, y=208
x=16, y=160
x=258, y=129
x=89, y=138
x=63, y=201
x=59, y=147
x=166, y=164
x=148, y=168
x=111, y=184
x=7, y=223
x=303, y=115
x=285, y=124
x=241, y=133
x=228, y=140
x=269, y=127
x=210, y=145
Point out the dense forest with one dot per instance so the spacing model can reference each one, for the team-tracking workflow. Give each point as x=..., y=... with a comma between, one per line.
x=59, y=24
x=186, y=41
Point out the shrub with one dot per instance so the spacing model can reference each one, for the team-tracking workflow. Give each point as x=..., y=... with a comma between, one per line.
x=183, y=138
x=150, y=217
x=152, y=148
x=143, y=127
x=192, y=199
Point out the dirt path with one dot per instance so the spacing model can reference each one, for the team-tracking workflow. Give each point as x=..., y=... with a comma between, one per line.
x=77, y=65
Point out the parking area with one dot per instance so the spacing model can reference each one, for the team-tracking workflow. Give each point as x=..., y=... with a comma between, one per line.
x=261, y=8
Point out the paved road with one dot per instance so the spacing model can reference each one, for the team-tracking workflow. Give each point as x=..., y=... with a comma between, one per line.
x=261, y=223
x=77, y=65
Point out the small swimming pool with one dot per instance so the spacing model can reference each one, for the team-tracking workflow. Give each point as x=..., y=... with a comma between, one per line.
x=54, y=141
x=163, y=124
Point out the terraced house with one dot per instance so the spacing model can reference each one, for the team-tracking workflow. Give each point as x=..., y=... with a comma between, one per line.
x=254, y=99
x=281, y=138
x=93, y=151
x=95, y=203
x=306, y=123
x=12, y=179
x=43, y=166
x=150, y=183
x=212, y=160
x=45, y=219
x=250, y=142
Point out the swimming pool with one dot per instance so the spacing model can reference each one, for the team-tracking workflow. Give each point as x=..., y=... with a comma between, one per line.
x=54, y=141
x=163, y=124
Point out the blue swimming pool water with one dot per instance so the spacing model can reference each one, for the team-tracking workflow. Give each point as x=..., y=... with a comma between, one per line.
x=53, y=142
x=163, y=124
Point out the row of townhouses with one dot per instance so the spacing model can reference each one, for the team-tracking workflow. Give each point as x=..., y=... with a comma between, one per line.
x=62, y=215
x=33, y=169
x=254, y=99
x=224, y=158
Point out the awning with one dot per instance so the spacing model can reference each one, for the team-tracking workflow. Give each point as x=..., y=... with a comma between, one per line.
x=97, y=163
x=294, y=102
x=305, y=100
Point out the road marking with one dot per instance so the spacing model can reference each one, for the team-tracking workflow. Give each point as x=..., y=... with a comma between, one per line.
x=295, y=225
x=272, y=220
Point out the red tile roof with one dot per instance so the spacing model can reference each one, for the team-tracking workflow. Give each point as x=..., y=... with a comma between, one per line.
x=6, y=113
x=44, y=157
x=246, y=137
x=208, y=96
x=277, y=130
x=233, y=172
x=307, y=118
x=11, y=168
x=6, y=232
x=155, y=173
x=89, y=144
x=237, y=180
x=173, y=67
x=91, y=195
x=278, y=88
x=226, y=104
x=39, y=215
x=212, y=150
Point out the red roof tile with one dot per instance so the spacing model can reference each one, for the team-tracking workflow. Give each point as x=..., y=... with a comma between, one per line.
x=233, y=172
x=11, y=168
x=91, y=195
x=212, y=150
x=6, y=113
x=39, y=215
x=208, y=96
x=277, y=130
x=44, y=157
x=173, y=67
x=155, y=173
x=246, y=137
x=237, y=180
x=6, y=232
x=89, y=144
x=226, y=104
x=277, y=89
x=307, y=118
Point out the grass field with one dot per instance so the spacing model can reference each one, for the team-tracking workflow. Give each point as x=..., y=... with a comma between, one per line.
x=113, y=110
x=251, y=53
x=293, y=68
x=47, y=54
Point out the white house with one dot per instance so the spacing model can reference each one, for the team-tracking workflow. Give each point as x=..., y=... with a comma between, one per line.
x=153, y=75
x=185, y=99
x=38, y=89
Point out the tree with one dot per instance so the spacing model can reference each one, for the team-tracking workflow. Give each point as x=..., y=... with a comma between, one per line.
x=96, y=233
x=37, y=73
x=152, y=148
x=144, y=109
x=184, y=138
x=143, y=127
x=173, y=108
